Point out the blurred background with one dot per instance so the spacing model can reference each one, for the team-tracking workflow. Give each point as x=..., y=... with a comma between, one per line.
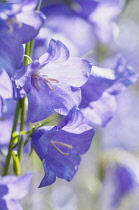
x=108, y=177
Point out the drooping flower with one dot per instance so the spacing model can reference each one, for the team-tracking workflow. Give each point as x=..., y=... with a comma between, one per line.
x=98, y=94
x=13, y=188
x=19, y=20
x=52, y=82
x=60, y=147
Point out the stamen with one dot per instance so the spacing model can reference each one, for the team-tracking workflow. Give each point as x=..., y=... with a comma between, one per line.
x=48, y=83
x=61, y=144
x=53, y=80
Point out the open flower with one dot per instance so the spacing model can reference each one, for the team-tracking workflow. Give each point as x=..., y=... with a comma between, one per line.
x=13, y=188
x=20, y=20
x=60, y=147
x=98, y=94
x=52, y=82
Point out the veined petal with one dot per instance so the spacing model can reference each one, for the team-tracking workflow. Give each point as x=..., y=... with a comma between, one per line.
x=74, y=71
x=56, y=52
x=44, y=101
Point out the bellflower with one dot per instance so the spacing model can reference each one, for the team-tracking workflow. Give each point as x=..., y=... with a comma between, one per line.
x=101, y=14
x=121, y=177
x=70, y=34
x=98, y=94
x=20, y=20
x=60, y=147
x=93, y=19
x=13, y=188
x=52, y=82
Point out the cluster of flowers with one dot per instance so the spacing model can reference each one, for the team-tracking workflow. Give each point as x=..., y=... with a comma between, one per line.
x=54, y=81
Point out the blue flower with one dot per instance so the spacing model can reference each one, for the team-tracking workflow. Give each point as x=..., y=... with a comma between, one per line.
x=92, y=18
x=101, y=15
x=20, y=20
x=60, y=147
x=52, y=82
x=121, y=177
x=13, y=188
x=98, y=94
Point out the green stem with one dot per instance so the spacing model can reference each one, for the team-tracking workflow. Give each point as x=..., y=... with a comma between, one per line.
x=8, y=158
x=22, y=120
x=28, y=50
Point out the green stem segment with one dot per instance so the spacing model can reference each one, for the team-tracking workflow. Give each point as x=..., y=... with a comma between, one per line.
x=22, y=120
x=7, y=163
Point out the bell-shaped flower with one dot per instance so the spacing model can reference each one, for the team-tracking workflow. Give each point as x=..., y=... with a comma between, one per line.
x=52, y=82
x=98, y=94
x=20, y=20
x=13, y=188
x=60, y=147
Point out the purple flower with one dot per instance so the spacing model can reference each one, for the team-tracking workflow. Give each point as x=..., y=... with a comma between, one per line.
x=93, y=19
x=70, y=34
x=98, y=94
x=101, y=14
x=13, y=188
x=20, y=20
x=52, y=82
x=121, y=177
x=60, y=147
